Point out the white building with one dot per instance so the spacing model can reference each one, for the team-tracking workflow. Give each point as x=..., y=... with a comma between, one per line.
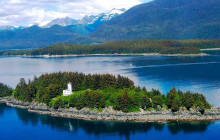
x=68, y=91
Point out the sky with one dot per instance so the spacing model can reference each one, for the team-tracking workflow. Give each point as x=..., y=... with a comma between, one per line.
x=29, y=12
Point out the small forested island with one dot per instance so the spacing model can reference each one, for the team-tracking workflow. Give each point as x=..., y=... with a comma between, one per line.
x=105, y=97
x=135, y=47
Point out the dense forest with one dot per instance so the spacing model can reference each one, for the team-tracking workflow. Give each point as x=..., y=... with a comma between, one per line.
x=5, y=90
x=124, y=47
x=100, y=91
x=165, y=19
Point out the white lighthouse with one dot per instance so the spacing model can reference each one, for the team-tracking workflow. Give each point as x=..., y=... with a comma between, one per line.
x=68, y=91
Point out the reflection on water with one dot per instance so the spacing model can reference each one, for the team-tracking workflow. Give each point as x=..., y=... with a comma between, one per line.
x=98, y=128
x=198, y=74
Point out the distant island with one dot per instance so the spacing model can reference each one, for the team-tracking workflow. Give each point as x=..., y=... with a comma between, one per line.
x=105, y=97
x=135, y=47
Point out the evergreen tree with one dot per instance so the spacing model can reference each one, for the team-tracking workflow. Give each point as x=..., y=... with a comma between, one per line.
x=144, y=89
x=175, y=106
x=79, y=105
x=189, y=102
x=58, y=103
x=5, y=90
x=201, y=107
x=157, y=100
x=31, y=92
x=125, y=101
x=21, y=90
x=156, y=92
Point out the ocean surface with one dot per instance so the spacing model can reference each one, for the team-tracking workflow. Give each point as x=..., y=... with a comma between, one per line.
x=198, y=74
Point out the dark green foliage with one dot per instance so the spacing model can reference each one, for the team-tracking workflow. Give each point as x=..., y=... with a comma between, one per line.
x=72, y=101
x=5, y=90
x=100, y=91
x=156, y=92
x=175, y=106
x=118, y=103
x=157, y=101
x=165, y=19
x=144, y=89
x=49, y=86
x=58, y=104
x=123, y=47
x=21, y=90
x=79, y=105
x=54, y=90
x=125, y=106
x=189, y=102
x=31, y=92
x=173, y=100
x=201, y=107
x=102, y=103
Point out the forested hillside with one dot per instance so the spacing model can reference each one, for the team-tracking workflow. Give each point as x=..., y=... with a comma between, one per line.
x=123, y=47
x=165, y=19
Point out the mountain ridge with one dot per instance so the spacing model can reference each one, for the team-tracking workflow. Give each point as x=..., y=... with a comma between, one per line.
x=165, y=19
x=158, y=19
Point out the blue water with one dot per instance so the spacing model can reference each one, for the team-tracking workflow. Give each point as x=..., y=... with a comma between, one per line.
x=198, y=74
x=20, y=124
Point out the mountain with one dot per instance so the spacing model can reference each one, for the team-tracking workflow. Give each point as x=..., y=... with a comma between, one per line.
x=86, y=20
x=87, y=24
x=10, y=28
x=159, y=19
x=36, y=37
x=107, y=16
x=61, y=30
x=62, y=22
x=7, y=28
x=165, y=19
x=103, y=18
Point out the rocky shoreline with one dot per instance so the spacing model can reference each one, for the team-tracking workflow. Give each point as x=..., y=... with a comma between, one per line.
x=108, y=114
x=129, y=54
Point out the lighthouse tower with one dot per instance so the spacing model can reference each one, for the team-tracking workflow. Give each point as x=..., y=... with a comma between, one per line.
x=68, y=91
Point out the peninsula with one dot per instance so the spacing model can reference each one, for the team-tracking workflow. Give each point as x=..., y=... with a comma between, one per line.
x=105, y=97
x=135, y=47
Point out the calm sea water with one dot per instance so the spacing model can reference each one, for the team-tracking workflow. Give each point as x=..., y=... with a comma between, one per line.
x=198, y=74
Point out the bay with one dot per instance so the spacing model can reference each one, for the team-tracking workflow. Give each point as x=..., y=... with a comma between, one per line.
x=198, y=74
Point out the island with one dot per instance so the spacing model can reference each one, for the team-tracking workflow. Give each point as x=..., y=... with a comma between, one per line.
x=134, y=47
x=105, y=97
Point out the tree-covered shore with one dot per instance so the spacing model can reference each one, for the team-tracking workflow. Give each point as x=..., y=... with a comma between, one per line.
x=102, y=91
x=123, y=47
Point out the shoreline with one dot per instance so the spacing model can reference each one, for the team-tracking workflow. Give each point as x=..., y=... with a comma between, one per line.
x=210, y=49
x=129, y=54
x=108, y=114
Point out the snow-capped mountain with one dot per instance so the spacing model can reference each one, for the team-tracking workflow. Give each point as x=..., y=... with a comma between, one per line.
x=10, y=28
x=85, y=25
x=62, y=22
x=108, y=16
x=103, y=17
x=7, y=28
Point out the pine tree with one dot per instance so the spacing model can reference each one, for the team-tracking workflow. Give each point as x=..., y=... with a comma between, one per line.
x=58, y=103
x=175, y=106
x=125, y=102
x=144, y=89
x=157, y=100
x=189, y=102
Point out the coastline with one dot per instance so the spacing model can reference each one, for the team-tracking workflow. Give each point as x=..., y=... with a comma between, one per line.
x=130, y=54
x=210, y=49
x=108, y=114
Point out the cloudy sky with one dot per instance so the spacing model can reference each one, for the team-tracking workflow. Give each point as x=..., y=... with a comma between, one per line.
x=28, y=12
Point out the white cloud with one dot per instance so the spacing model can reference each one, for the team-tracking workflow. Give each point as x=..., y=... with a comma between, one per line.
x=28, y=12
